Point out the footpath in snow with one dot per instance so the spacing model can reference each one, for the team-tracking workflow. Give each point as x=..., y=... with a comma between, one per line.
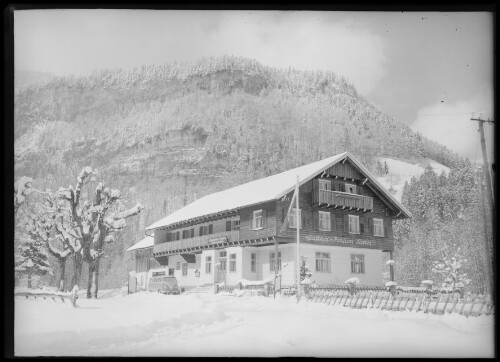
x=151, y=324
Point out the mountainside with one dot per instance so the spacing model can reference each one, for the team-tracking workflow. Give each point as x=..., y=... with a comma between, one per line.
x=166, y=135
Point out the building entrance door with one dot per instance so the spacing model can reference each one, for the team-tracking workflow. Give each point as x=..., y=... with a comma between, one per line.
x=221, y=268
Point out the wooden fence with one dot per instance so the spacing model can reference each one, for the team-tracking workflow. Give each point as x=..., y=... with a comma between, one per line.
x=48, y=295
x=433, y=302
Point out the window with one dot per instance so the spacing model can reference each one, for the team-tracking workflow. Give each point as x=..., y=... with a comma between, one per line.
x=357, y=263
x=272, y=261
x=232, y=225
x=178, y=266
x=206, y=229
x=257, y=220
x=172, y=236
x=292, y=218
x=223, y=260
x=325, y=185
x=208, y=265
x=378, y=227
x=324, y=221
x=232, y=263
x=253, y=263
x=350, y=188
x=186, y=234
x=323, y=262
x=184, y=269
x=353, y=224
x=171, y=271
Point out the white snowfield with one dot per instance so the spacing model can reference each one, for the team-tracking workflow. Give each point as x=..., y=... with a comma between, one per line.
x=151, y=324
x=401, y=171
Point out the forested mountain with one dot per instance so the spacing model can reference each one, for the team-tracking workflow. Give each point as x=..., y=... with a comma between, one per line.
x=166, y=135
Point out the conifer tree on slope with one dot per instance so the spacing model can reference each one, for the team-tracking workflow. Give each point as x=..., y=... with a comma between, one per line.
x=31, y=259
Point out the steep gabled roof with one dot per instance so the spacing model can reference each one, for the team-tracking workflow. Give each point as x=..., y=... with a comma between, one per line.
x=145, y=243
x=263, y=190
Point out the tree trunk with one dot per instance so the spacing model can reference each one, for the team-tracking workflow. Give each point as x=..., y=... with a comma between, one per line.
x=29, y=280
x=89, y=282
x=93, y=282
x=96, y=279
x=62, y=265
x=77, y=268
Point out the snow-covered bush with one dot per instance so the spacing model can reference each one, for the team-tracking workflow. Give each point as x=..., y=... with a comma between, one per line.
x=352, y=281
x=305, y=272
x=448, y=268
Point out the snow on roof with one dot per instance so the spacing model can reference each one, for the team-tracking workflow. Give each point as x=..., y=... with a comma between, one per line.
x=259, y=191
x=254, y=192
x=144, y=243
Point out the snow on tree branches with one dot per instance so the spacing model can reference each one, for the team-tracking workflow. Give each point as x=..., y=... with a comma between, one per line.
x=22, y=188
x=449, y=268
x=31, y=259
x=95, y=217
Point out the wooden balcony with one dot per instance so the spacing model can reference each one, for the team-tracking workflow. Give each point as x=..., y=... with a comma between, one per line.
x=197, y=242
x=342, y=200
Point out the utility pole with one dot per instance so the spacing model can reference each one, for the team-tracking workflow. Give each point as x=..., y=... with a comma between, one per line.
x=486, y=167
x=488, y=254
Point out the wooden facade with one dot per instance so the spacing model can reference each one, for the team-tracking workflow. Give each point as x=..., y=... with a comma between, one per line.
x=343, y=191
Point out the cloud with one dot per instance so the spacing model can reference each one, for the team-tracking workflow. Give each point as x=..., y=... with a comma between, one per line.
x=302, y=40
x=451, y=125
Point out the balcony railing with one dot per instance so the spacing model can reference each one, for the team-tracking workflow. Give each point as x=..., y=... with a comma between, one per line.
x=197, y=241
x=337, y=198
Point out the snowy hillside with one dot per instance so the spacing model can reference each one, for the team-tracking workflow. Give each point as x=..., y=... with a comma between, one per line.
x=151, y=324
x=403, y=170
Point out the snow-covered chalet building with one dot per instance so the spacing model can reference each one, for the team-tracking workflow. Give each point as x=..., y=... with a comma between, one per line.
x=346, y=224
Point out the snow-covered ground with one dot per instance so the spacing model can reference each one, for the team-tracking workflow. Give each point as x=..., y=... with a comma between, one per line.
x=403, y=170
x=150, y=324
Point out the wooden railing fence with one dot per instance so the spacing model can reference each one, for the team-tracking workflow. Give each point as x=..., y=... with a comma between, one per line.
x=433, y=302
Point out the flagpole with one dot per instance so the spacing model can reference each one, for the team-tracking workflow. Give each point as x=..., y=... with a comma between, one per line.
x=298, y=234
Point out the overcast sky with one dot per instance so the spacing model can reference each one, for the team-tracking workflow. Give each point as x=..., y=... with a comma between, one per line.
x=430, y=71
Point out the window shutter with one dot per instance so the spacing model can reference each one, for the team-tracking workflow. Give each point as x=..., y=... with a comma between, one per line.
x=361, y=224
x=200, y=233
x=264, y=218
x=386, y=227
x=370, y=226
x=228, y=225
x=332, y=221
x=346, y=223
x=210, y=228
x=192, y=232
x=337, y=186
x=252, y=222
x=316, y=220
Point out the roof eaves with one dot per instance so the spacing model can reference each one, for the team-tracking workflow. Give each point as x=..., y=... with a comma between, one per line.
x=311, y=176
